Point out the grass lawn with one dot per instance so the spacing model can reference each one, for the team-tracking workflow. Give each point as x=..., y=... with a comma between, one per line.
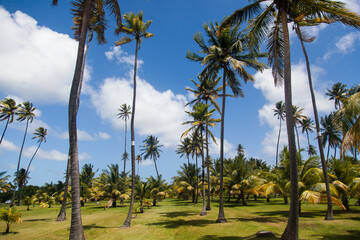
x=175, y=219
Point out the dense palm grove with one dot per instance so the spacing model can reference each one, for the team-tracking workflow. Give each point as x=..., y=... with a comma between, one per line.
x=327, y=173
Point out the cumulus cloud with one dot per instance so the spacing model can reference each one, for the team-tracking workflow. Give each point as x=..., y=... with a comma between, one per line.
x=8, y=146
x=214, y=148
x=81, y=135
x=347, y=42
x=352, y=5
x=103, y=135
x=36, y=62
x=301, y=97
x=122, y=56
x=53, y=155
x=157, y=113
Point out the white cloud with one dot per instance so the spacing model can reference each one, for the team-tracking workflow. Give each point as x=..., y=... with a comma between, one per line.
x=352, y=5
x=301, y=97
x=347, y=42
x=157, y=113
x=214, y=149
x=36, y=62
x=81, y=135
x=122, y=56
x=104, y=136
x=53, y=155
x=147, y=162
x=8, y=146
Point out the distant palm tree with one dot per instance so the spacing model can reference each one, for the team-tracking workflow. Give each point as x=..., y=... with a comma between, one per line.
x=184, y=149
x=279, y=111
x=8, y=109
x=4, y=186
x=298, y=117
x=330, y=134
x=311, y=150
x=151, y=149
x=139, y=160
x=25, y=112
x=226, y=51
x=338, y=94
x=86, y=181
x=185, y=181
x=240, y=150
x=137, y=29
x=40, y=133
x=124, y=113
x=307, y=125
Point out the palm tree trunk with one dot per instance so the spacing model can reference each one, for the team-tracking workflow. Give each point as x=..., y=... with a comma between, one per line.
x=297, y=136
x=329, y=213
x=157, y=172
x=203, y=211
x=7, y=123
x=197, y=179
x=292, y=229
x=76, y=229
x=62, y=213
x=208, y=207
x=221, y=216
x=277, y=145
x=127, y=222
x=125, y=147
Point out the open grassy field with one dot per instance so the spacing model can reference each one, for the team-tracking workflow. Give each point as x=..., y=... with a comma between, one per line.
x=175, y=219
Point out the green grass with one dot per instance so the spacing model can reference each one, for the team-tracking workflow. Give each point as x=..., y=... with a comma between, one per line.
x=175, y=219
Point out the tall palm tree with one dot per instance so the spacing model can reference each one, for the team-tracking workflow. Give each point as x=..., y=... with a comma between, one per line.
x=226, y=51
x=124, y=113
x=298, y=117
x=40, y=134
x=139, y=160
x=25, y=112
x=307, y=126
x=279, y=111
x=135, y=27
x=337, y=93
x=184, y=149
x=151, y=149
x=84, y=11
x=8, y=109
x=201, y=120
x=330, y=134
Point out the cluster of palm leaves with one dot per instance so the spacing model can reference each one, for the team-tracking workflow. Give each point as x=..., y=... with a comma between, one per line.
x=25, y=111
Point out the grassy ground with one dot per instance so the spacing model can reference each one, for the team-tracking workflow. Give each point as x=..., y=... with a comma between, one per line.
x=175, y=219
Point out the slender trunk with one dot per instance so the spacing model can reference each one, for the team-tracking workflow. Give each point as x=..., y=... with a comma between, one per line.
x=221, y=216
x=297, y=136
x=285, y=200
x=277, y=145
x=229, y=197
x=208, y=207
x=76, y=229
x=243, y=199
x=125, y=147
x=18, y=166
x=328, y=152
x=127, y=222
x=197, y=180
x=329, y=213
x=307, y=135
x=62, y=213
x=203, y=211
x=292, y=229
x=7, y=123
x=157, y=172
x=27, y=171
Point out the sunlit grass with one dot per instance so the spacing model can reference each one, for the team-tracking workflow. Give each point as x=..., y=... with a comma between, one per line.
x=175, y=219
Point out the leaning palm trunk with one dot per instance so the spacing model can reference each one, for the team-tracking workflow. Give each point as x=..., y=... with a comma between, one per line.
x=127, y=222
x=292, y=228
x=203, y=211
x=221, y=216
x=76, y=229
x=62, y=213
x=329, y=213
x=277, y=145
x=7, y=123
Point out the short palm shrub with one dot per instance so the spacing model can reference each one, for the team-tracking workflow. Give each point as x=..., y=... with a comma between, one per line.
x=10, y=216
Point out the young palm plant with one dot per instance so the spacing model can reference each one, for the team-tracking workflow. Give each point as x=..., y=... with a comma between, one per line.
x=135, y=27
x=227, y=51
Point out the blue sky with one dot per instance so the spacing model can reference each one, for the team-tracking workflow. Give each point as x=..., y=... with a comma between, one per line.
x=37, y=59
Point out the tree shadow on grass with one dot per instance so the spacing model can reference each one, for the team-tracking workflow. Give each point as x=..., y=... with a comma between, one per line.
x=8, y=234
x=37, y=219
x=179, y=214
x=88, y=227
x=180, y=223
x=352, y=234
x=260, y=219
x=251, y=237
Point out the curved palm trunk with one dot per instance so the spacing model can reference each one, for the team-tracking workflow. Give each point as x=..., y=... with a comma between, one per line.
x=62, y=213
x=203, y=211
x=208, y=207
x=157, y=172
x=221, y=216
x=127, y=222
x=76, y=229
x=329, y=213
x=27, y=171
x=292, y=228
x=18, y=166
x=2, y=136
x=277, y=146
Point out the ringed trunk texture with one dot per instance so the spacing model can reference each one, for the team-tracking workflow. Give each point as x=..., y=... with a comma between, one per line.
x=329, y=212
x=127, y=222
x=76, y=229
x=292, y=229
x=221, y=216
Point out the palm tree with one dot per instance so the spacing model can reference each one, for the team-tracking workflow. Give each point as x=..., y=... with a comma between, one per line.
x=184, y=149
x=201, y=120
x=279, y=111
x=240, y=150
x=151, y=149
x=8, y=109
x=25, y=112
x=307, y=126
x=185, y=182
x=40, y=133
x=139, y=160
x=84, y=10
x=298, y=117
x=330, y=134
x=4, y=187
x=227, y=51
x=338, y=94
x=86, y=181
x=124, y=113
x=137, y=28
x=311, y=150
